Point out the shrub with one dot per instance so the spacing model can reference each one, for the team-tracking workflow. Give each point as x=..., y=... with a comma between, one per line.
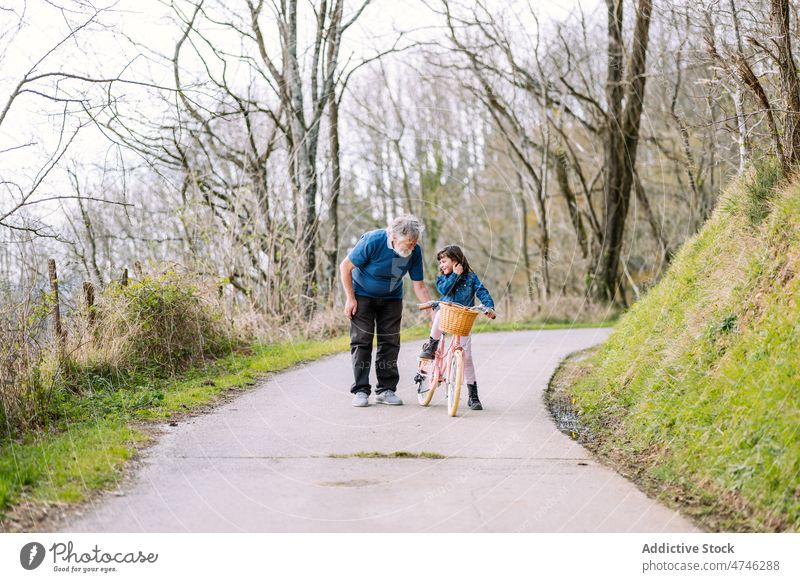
x=159, y=325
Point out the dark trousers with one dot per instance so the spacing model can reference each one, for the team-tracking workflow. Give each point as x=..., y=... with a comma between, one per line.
x=385, y=315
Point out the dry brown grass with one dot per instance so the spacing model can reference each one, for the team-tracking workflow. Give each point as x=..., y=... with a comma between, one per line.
x=24, y=342
x=556, y=309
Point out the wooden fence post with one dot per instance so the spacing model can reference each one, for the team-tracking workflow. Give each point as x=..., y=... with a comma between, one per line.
x=58, y=329
x=88, y=296
x=125, y=277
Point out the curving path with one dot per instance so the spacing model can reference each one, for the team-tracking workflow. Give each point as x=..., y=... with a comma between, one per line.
x=262, y=463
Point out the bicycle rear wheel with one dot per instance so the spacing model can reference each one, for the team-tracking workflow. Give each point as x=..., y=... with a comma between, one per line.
x=427, y=384
x=454, y=380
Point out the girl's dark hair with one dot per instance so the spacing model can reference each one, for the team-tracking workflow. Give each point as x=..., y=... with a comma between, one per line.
x=455, y=254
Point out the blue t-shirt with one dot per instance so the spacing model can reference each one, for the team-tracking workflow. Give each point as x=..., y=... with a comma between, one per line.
x=379, y=270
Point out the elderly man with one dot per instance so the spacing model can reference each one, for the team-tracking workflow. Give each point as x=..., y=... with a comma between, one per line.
x=372, y=277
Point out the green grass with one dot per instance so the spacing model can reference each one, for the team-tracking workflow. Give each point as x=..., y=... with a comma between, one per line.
x=392, y=455
x=99, y=427
x=61, y=468
x=97, y=430
x=696, y=390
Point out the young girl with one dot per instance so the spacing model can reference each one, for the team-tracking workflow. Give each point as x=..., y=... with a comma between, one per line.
x=459, y=284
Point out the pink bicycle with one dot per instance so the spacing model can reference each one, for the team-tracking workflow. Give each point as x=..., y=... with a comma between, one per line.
x=448, y=363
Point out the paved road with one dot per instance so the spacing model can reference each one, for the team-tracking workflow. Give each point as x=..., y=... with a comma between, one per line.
x=263, y=463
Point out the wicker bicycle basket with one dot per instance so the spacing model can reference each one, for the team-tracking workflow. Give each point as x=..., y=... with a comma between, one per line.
x=455, y=319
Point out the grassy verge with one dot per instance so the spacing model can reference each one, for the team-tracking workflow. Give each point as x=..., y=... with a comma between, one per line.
x=392, y=455
x=694, y=395
x=102, y=428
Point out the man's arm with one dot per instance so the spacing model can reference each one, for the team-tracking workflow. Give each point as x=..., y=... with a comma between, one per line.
x=421, y=291
x=346, y=272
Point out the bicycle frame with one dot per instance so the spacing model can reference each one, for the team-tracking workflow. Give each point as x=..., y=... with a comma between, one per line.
x=443, y=359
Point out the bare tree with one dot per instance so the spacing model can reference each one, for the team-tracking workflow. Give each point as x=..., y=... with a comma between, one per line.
x=67, y=95
x=770, y=39
x=246, y=146
x=789, y=83
x=302, y=133
x=491, y=80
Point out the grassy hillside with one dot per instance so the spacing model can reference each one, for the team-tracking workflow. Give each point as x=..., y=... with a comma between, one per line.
x=696, y=394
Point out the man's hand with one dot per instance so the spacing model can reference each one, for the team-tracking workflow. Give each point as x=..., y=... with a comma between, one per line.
x=346, y=273
x=491, y=314
x=458, y=269
x=350, y=307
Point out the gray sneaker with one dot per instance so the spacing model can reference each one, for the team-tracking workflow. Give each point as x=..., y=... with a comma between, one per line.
x=361, y=399
x=388, y=397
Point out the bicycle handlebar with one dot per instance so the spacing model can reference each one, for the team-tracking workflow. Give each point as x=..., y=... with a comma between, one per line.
x=487, y=311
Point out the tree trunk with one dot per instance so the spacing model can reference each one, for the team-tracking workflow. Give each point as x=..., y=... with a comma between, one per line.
x=622, y=138
x=88, y=298
x=304, y=163
x=738, y=99
x=614, y=208
x=59, y=332
x=336, y=188
x=663, y=246
x=524, y=236
x=790, y=86
x=562, y=177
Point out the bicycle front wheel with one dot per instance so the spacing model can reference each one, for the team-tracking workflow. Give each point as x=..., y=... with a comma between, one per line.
x=454, y=380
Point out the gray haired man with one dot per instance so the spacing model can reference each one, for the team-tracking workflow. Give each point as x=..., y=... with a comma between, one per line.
x=372, y=277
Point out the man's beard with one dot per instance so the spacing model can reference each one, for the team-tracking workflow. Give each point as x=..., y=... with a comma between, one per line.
x=404, y=254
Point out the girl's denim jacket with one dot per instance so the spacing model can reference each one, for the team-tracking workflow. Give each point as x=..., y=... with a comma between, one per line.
x=462, y=289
